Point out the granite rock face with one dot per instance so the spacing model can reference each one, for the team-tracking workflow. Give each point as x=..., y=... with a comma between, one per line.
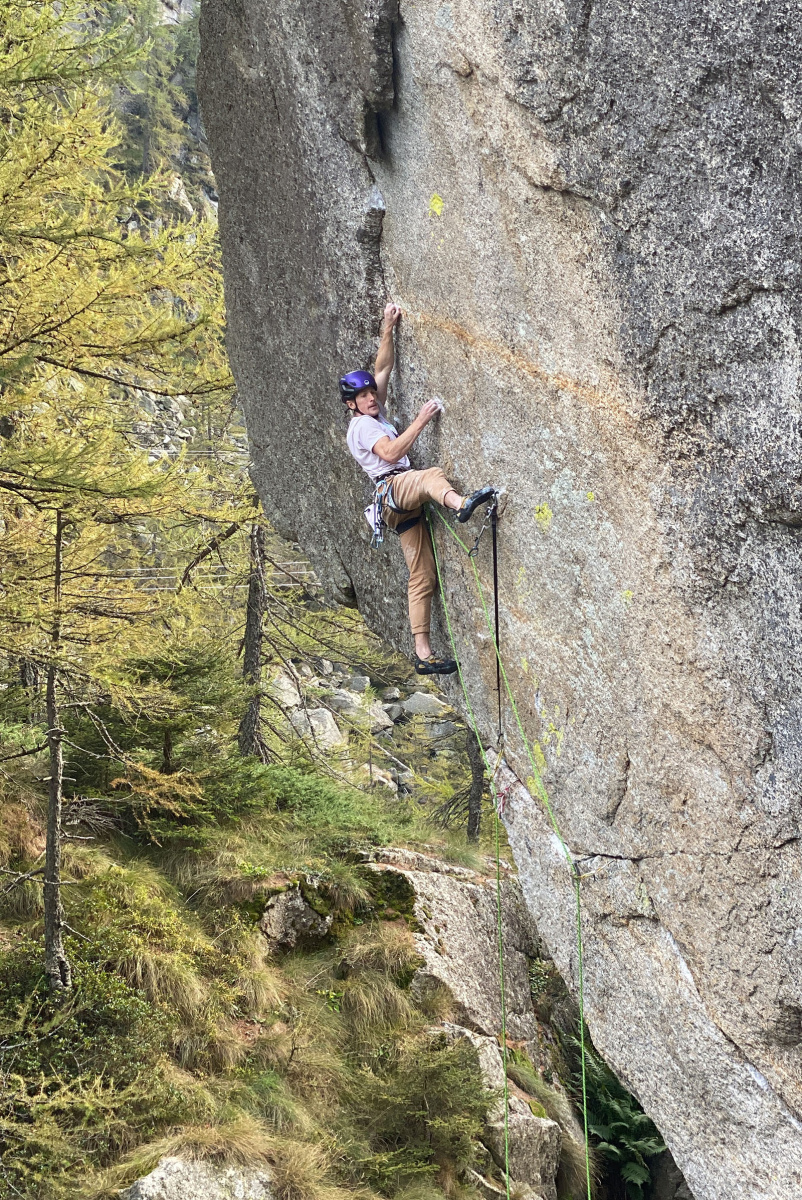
x=456, y=913
x=288, y=921
x=589, y=215
x=186, y=1179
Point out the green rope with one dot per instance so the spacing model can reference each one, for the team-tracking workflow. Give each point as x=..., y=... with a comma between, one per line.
x=499, y=914
x=543, y=795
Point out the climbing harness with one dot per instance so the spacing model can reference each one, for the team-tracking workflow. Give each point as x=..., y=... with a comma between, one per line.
x=499, y=800
x=383, y=498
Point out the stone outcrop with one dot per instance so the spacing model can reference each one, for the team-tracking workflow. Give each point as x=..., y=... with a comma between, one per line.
x=588, y=214
x=185, y=1179
x=455, y=910
x=533, y=1142
x=289, y=921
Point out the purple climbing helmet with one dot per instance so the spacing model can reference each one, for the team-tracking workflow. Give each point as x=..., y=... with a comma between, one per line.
x=355, y=381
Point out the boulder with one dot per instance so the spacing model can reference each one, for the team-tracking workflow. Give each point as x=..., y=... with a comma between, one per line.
x=360, y=683
x=424, y=704
x=391, y=694
x=379, y=719
x=534, y=1147
x=318, y=726
x=285, y=691
x=437, y=730
x=351, y=704
x=346, y=701
x=289, y=921
x=394, y=711
x=188, y=1179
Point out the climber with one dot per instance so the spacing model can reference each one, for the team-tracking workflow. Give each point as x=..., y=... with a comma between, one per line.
x=401, y=491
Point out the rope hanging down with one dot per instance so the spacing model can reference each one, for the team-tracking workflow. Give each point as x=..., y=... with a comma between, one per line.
x=540, y=788
x=494, y=521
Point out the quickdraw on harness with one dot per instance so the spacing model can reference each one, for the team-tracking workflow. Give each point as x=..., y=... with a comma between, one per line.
x=383, y=498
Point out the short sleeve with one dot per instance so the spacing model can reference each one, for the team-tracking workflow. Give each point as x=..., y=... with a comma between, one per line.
x=369, y=432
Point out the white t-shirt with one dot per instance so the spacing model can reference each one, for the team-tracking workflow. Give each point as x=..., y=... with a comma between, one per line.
x=363, y=434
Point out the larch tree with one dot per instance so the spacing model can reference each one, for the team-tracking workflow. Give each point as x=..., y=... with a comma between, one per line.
x=109, y=299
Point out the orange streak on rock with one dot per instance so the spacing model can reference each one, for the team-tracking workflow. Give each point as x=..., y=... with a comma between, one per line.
x=613, y=400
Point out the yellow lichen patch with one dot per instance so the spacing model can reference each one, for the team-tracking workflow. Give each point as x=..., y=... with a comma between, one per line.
x=590, y=497
x=436, y=205
x=555, y=734
x=543, y=516
x=539, y=757
x=626, y=596
x=524, y=592
x=524, y=665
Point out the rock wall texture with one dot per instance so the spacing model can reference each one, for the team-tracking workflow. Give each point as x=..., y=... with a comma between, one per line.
x=456, y=913
x=185, y=1179
x=589, y=214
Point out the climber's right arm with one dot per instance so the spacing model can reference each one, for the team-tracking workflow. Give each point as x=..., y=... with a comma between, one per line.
x=386, y=356
x=392, y=450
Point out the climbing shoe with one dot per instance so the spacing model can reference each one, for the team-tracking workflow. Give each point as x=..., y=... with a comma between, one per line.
x=472, y=502
x=434, y=665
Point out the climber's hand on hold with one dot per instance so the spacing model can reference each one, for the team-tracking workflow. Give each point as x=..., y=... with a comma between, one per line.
x=392, y=314
x=386, y=356
x=392, y=450
x=429, y=411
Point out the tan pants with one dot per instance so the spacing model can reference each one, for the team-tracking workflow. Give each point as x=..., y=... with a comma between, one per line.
x=409, y=491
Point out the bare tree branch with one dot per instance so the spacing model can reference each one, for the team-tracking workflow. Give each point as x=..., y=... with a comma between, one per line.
x=24, y=753
x=208, y=550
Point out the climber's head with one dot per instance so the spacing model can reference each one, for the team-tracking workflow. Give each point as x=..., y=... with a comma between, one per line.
x=358, y=390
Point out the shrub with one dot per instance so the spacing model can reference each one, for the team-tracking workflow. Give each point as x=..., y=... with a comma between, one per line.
x=423, y=1114
x=86, y=1077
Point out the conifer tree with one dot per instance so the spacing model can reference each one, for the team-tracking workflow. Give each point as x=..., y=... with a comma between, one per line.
x=107, y=305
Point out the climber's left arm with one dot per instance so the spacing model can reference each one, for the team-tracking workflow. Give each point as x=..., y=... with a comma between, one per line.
x=386, y=356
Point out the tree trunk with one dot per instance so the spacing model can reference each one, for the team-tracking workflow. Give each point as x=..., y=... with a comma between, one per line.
x=31, y=680
x=167, y=753
x=477, y=786
x=57, y=966
x=250, y=739
x=146, y=132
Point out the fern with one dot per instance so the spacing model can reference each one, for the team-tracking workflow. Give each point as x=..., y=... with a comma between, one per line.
x=626, y=1137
